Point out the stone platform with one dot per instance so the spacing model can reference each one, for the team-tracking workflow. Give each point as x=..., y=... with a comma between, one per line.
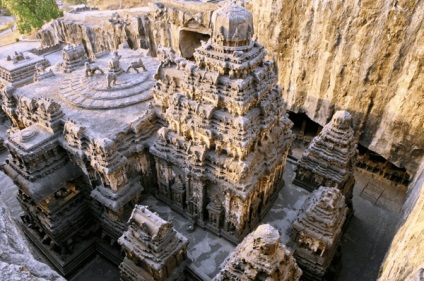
x=92, y=92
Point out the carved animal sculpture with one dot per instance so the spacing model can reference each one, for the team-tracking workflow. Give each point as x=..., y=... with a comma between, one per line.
x=111, y=79
x=91, y=69
x=136, y=65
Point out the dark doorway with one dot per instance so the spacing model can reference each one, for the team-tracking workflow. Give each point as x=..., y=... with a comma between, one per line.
x=189, y=41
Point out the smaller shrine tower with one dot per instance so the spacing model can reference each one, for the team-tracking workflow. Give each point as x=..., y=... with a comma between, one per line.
x=317, y=232
x=260, y=257
x=52, y=190
x=153, y=249
x=330, y=158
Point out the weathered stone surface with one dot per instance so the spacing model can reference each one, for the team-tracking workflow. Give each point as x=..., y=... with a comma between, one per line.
x=16, y=261
x=19, y=68
x=98, y=32
x=406, y=254
x=362, y=56
x=317, y=232
x=79, y=148
x=330, y=158
x=260, y=256
x=227, y=134
x=332, y=61
x=153, y=249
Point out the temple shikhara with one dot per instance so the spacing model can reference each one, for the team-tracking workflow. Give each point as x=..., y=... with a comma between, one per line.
x=227, y=136
x=330, y=158
x=260, y=256
x=317, y=232
x=153, y=249
x=157, y=141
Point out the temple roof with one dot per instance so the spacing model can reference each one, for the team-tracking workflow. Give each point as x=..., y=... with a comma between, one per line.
x=332, y=153
x=232, y=23
x=249, y=261
x=323, y=215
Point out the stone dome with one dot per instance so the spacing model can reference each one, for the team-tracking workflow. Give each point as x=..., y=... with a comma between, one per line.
x=266, y=239
x=232, y=25
x=342, y=119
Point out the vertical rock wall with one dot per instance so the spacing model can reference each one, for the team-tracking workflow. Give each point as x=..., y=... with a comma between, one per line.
x=406, y=254
x=363, y=56
x=95, y=32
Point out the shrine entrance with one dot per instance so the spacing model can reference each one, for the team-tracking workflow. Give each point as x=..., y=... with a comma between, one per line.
x=189, y=41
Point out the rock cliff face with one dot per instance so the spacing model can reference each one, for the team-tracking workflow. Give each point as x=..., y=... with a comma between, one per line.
x=364, y=56
x=97, y=31
x=406, y=254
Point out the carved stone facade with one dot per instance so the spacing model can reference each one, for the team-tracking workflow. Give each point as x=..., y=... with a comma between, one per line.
x=79, y=169
x=330, y=158
x=73, y=56
x=153, y=249
x=317, y=233
x=226, y=134
x=52, y=190
x=260, y=257
x=19, y=68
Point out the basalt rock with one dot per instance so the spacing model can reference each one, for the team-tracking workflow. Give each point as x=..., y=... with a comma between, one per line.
x=226, y=135
x=360, y=56
x=330, y=158
x=260, y=256
x=317, y=233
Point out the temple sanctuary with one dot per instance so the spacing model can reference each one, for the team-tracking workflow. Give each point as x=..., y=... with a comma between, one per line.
x=153, y=249
x=260, y=256
x=226, y=135
x=317, y=232
x=330, y=158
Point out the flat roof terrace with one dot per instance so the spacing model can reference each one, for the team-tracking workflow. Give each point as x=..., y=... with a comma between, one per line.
x=88, y=101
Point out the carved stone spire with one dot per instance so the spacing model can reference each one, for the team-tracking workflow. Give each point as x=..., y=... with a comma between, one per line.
x=330, y=158
x=260, y=257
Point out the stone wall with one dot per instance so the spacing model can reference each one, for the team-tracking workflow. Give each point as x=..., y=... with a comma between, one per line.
x=406, y=254
x=366, y=57
x=96, y=32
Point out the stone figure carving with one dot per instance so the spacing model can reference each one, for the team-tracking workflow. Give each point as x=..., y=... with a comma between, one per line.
x=166, y=55
x=116, y=19
x=111, y=79
x=40, y=72
x=136, y=65
x=18, y=57
x=91, y=69
x=113, y=63
x=40, y=68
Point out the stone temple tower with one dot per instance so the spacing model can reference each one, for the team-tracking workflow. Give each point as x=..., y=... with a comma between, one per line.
x=317, y=232
x=260, y=256
x=221, y=155
x=330, y=158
